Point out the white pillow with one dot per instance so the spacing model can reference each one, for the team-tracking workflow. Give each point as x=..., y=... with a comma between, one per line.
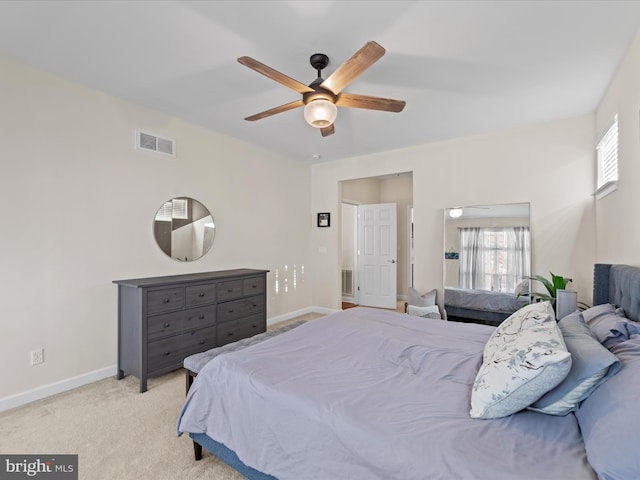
x=526, y=317
x=426, y=312
x=520, y=372
x=426, y=300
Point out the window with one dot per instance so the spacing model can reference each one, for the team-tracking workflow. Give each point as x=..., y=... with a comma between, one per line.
x=495, y=259
x=607, y=157
x=178, y=208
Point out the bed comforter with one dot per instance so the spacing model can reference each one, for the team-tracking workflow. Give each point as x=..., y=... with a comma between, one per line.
x=483, y=300
x=371, y=394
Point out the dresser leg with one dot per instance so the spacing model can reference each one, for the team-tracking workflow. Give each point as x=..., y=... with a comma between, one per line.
x=120, y=374
x=143, y=384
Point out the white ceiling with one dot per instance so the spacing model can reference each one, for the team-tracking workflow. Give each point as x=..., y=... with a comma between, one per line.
x=463, y=67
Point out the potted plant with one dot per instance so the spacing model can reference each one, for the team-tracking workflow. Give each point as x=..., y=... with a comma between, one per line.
x=557, y=282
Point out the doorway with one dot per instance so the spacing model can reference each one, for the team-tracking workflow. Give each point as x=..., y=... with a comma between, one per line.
x=394, y=188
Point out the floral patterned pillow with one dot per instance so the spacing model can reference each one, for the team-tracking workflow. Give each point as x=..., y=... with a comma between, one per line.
x=521, y=371
x=511, y=328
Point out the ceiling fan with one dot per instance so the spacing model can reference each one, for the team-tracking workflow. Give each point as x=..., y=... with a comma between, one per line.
x=322, y=97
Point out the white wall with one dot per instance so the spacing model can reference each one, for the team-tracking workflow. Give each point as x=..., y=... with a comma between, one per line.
x=618, y=229
x=78, y=207
x=549, y=165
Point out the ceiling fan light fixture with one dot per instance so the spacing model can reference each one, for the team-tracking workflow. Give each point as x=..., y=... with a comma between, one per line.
x=320, y=113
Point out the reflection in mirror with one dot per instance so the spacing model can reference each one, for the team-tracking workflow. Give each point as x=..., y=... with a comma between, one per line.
x=184, y=229
x=487, y=261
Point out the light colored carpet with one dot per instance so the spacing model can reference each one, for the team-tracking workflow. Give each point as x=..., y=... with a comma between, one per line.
x=118, y=433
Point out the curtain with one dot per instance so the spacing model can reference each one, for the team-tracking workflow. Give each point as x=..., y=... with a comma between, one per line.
x=495, y=259
x=470, y=259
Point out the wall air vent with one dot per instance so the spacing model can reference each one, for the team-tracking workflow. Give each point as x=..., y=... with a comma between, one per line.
x=347, y=282
x=153, y=143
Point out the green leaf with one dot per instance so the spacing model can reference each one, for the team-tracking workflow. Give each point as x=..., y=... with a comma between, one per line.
x=559, y=282
x=548, y=285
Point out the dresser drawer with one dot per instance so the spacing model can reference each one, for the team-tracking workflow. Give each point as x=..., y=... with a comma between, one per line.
x=160, y=326
x=253, y=286
x=229, y=290
x=198, y=341
x=162, y=354
x=201, y=294
x=240, y=308
x=165, y=300
x=171, y=351
x=199, y=317
x=237, y=329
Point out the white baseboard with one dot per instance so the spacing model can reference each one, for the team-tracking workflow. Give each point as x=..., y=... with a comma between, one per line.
x=45, y=391
x=19, y=399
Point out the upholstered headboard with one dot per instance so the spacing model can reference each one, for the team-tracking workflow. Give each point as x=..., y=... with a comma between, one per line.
x=619, y=285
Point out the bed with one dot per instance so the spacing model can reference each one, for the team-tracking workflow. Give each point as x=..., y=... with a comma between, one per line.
x=481, y=305
x=372, y=394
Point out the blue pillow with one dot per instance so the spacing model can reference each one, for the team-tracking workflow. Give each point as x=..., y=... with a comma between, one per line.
x=609, y=418
x=591, y=365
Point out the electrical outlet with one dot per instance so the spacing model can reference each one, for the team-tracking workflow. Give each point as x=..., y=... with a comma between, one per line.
x=37, y=357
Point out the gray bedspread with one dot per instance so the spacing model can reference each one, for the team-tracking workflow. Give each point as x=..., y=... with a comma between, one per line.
x=371, y=394
x=483, y=300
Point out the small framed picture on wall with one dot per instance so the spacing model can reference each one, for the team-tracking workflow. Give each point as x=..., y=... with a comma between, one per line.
x=324, y=219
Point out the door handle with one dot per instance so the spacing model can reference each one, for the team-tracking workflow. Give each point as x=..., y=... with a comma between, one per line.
x=392, y=261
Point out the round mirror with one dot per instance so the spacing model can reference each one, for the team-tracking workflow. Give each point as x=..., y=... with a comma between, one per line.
x=183, y=229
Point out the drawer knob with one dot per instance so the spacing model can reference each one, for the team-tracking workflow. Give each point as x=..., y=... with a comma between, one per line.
x=167, y=325
x=231, y=310
x=254, y=286
x=230, y=334
x=202, y=342
x=230, y=290
x=201, y=316
x=166, y=354
x=201, y=294
x=254, y=326
x=167, y=300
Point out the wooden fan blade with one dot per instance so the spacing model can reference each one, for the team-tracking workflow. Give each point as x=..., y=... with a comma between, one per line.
x=273, y=111
x=326, y=131
x=349, y=70
x=353, y=100
x=275, y=75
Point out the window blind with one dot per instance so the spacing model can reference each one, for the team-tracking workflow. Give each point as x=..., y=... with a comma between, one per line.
x=608, y=156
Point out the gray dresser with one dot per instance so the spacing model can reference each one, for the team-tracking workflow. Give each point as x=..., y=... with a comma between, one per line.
x=162, y=320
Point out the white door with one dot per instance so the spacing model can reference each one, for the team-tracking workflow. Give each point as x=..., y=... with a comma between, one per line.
x=377, y=250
